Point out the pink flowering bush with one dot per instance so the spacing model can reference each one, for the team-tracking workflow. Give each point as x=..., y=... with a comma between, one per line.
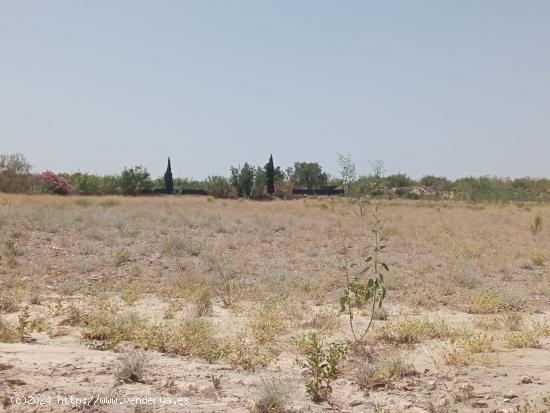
x=54, y=183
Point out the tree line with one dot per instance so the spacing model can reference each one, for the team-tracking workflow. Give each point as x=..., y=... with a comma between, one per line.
x=258, y=182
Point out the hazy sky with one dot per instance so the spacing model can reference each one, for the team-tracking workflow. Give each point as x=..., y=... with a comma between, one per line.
x=457, y=87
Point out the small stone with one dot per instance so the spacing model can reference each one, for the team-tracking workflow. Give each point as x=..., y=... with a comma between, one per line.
x=356, y=402
x=525, y=379
x=510, y=395
x=304, y=372
x=442, y=402
x=466, y=387
x=479, y=405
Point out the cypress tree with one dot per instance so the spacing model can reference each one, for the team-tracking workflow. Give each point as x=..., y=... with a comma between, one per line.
x=270, y=173
x=168, y=180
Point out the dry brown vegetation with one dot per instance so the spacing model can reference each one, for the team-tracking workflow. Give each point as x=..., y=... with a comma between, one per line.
x=214, y=300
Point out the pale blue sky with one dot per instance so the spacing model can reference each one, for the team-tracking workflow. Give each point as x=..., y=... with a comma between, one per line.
x=451, y=88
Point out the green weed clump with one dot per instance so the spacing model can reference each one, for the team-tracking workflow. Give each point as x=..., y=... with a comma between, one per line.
x=324, y=365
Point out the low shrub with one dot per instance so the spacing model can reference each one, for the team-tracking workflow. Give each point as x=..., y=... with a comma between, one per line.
x=494, y=301
x=413, y=331
x=383, y=372
x=271, y=396
x=131, y=367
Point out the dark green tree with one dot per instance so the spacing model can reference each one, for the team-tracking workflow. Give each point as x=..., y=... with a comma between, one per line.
x=168, y=180
x=243, y=179
x=270, y=176
x=308, y=174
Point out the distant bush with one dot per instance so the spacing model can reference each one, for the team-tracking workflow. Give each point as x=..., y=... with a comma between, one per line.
x=219, y=187
x=84, y=184
x=242, y=179
x=398, y=181
x=284, y=189
x=15, y=173
x=134, y=181
x=439, y=183
x=54, y=183
x=309, y=175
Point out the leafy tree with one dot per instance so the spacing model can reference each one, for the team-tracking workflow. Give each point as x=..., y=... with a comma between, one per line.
x=260, y=183
x=242, y=179
x=308, y=174
x=270, y=176
x=84, y=183
x=168, y=180
x=278, y=175
x=219, y=187
x=134, y=181
x=440, y=183
x=15, y=173
x=398, y=180
x=370, y=185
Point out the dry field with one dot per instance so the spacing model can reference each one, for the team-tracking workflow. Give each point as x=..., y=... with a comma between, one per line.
x=216, y=301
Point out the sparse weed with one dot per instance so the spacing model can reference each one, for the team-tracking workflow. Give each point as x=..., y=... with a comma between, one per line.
x=9, y=252
x=7, y=302
x=536, y=226
x=494, y=301
x=383, y=372
x=248, y=354
x=191, y=337
x=271, y=396
x=522, y=339
x=133, y=291
x=181, y=247
x=465, y=277
x=216, y=382
x=8, y=333
x=509, y=321
x=468, y=348
x=203, y=302
x=121, y=257
x=538, y=259
x=224, y=281
x=132, y=367
x=108, y=326
x=324, y=322
x=267, y=322
x=24, y=326
x=413, y=331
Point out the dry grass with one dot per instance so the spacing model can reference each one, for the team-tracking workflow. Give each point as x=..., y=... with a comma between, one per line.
x=8, y=333
x=413, y=331
x=268, y=321
x=495, y=301
x=235, y=280
x=383, y=372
